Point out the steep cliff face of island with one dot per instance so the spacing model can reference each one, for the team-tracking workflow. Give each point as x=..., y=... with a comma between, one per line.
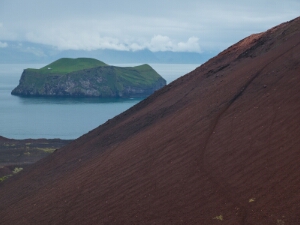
x=100, y=81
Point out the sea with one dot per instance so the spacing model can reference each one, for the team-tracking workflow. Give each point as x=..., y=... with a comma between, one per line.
x=64, y=118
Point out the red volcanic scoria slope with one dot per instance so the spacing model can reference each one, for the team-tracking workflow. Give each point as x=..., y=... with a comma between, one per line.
x=220, y=145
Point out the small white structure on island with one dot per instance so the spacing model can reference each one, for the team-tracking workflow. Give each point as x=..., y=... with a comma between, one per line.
x=49, y=68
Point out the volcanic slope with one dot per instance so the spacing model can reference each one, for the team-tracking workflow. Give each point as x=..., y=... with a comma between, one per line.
x=220, y=145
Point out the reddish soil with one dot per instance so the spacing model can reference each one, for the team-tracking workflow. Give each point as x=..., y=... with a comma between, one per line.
x=218, y=146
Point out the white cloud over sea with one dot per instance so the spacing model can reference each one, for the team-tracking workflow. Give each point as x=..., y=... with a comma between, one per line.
x=157, y=25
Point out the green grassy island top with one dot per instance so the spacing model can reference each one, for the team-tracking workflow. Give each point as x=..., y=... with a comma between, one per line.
x=67, y=65
x=87, y=77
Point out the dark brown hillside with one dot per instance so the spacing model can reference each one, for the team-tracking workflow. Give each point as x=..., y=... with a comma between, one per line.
x=218, y=146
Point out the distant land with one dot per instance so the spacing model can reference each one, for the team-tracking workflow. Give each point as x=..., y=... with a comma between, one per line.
x=17, y=154
x=26, y=52
x=87, y=77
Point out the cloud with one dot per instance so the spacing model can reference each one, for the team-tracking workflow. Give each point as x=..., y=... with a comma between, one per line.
x=161, y=43
x=190, y=25
x=164, y=43
x=135, y=47
x=76, y=39
x=78, y=36
x=191, y=45
x=3, y=44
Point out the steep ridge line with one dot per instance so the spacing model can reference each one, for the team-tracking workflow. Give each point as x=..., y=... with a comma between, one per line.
x=224, y=185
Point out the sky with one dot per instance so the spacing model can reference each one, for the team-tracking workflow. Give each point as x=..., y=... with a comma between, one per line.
x=156, y=25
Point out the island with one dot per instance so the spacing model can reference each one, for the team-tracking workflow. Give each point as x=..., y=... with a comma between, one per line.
x=87, y=77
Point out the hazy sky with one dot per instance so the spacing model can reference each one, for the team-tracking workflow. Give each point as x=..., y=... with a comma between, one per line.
x=158, y=25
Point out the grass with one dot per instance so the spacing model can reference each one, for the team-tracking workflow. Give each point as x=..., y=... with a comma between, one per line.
x=4, y=178
x=251, y=200
x=218, y=218
x=37, y=78
x=280, y=222
x=139, y=75
x=8, y=145
x=47, y=150
x=68, y=65
x=15, y=171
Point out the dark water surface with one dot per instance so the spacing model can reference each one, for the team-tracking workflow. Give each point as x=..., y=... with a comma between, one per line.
x=65, y=118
